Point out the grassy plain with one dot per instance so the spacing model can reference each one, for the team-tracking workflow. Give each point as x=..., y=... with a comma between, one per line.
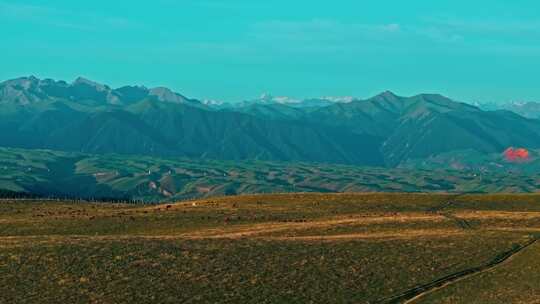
x=287, y=248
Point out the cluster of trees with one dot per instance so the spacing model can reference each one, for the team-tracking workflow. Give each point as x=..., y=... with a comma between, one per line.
x=8, y=194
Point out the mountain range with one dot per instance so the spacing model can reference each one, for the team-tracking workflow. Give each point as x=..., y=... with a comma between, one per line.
x=528, y=109
x=385, y=130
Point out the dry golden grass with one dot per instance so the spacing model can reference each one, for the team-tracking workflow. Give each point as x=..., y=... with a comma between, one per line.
x=343, y=248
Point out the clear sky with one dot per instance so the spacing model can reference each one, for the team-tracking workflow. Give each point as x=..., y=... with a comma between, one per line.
x=470, y=50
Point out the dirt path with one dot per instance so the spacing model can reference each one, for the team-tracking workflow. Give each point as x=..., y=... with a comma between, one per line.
x=251, y=231
x=407, y=234
x=440, y=210
x=461, y=219
x=415, y=293
x=460, y=222
x=264, y=228
x=51, y=240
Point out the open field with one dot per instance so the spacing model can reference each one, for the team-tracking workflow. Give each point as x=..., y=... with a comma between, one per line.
x=289, y=248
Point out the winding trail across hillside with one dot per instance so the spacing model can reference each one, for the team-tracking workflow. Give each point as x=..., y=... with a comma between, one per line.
x=415, y=293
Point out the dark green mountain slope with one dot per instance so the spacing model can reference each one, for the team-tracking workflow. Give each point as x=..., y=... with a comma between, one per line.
x=172, y=126
x=273, y=111
x=387, y=129
x=429, y=124
x=377, y=116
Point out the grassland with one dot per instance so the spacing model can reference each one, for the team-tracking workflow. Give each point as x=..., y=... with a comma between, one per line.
x=289, y=248
x=151, y=179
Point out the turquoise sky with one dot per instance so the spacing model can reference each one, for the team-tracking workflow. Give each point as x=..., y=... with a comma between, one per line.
x=237, y=49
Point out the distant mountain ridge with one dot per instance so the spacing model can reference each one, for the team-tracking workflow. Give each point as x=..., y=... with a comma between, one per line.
x=87, y=117
x=430, y=124
x=385, y=130
x=529, y=109
x=28, y=90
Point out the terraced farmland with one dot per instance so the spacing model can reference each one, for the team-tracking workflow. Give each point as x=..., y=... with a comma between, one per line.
x=289, y=248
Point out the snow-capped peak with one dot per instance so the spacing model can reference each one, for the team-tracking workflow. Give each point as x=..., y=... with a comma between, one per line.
x=212, y=102
x=269, y=98
x=339, y=99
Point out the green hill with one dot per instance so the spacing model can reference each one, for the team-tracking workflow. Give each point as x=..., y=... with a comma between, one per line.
x=153, y=179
